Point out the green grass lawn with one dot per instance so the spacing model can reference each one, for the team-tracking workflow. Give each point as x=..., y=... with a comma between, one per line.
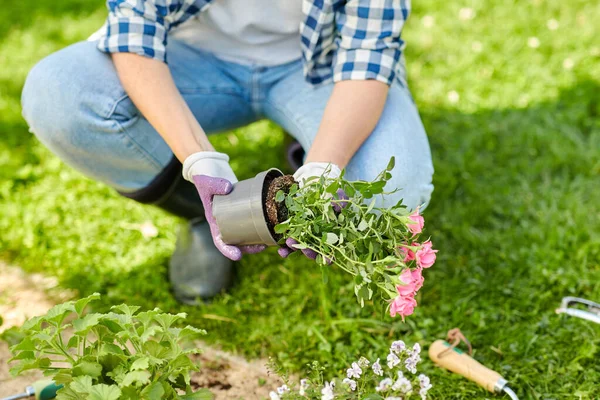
x=515, y=133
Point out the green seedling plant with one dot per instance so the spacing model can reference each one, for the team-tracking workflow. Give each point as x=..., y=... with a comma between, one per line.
x=122, y=354
x=341, y=221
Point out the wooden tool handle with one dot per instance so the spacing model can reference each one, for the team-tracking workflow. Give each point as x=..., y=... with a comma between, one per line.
x=458, y=362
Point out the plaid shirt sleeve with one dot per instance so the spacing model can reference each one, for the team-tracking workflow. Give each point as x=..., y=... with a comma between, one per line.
x=369, y=44
x=141, y=26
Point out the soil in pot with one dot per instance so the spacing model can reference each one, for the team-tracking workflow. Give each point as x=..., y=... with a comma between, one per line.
x=277, y=212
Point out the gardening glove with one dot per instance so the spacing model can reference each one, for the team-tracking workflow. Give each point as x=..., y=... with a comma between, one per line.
x=315, y=170
x=211, y=173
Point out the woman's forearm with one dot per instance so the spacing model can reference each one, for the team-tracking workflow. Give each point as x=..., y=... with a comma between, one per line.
x=150, y=86
x=352, y=113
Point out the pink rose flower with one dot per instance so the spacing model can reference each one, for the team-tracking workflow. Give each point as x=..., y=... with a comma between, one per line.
x=418, y=223
x=425, y=255
x=409, y=255
x=409, y=287
x=417, y=277
x=403, y=306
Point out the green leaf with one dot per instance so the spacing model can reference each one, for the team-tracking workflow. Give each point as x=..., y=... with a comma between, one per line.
x=282, y=227
x=104, y=392
x=26, y=365
x=136, y=378
x=332, y=238
x=190, y=333
x=126, y=310
x=279, y=196
x=66, y=393
x=166, y=320
x=82, y=303
x=371, y=206
x=32, y=324
x=154, y=391
x=147, y=317
x=82, y=384
x=391, y=164
x=140, y=364
x=202, y=394
x=83, y=325
x=25, y=345
x=58, y=313
x=109, y=348
x=362, y=225
x=150, y=332
x=87, y=368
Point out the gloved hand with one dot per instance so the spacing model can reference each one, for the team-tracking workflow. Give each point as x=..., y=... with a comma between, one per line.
x=303, y=175
x=211, y=173
x=316, y=169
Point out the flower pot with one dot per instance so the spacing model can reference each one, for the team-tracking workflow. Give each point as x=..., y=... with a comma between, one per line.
x=241, y=215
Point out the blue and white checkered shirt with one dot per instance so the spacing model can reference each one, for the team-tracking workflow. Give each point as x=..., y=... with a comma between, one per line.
x=341, y=39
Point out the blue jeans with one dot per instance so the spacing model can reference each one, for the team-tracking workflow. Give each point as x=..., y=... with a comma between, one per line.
x=76, y=106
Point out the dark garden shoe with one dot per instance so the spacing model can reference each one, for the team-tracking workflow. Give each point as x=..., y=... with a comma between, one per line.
x=197, y=270
x=295, y=155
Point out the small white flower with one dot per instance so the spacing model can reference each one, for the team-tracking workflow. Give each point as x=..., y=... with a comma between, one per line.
x=363, y=362
x=384, y=385
x=428, y=21
x=392, y=360
x=552, y=24
x=453, y=96
x=416, y=349
x=327, y=391
x=476, y=47
x=274, y=396
x=533, y=42
x=403, y=385
x=568, y=63
x=424, y=381
x=354, y=371
x=283, y=389
x=393, y=398
x=411, y=363
x=303, y=387
x=377, y=370
x=466, y=13
x=398, y=347
x=350, y=383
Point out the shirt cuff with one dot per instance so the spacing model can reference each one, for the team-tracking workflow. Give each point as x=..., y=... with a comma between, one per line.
x=364, y=64
x=134, y=34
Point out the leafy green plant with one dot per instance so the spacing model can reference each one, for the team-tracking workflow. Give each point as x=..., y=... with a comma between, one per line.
x=122, y=354
x=340, y=221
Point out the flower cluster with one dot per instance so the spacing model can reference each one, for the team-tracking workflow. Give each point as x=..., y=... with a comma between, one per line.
x=340, y=223
x=396, y=379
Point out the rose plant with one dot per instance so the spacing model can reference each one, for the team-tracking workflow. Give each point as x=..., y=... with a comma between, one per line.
x=122, y=354
x=340, y=222
x=394, y=378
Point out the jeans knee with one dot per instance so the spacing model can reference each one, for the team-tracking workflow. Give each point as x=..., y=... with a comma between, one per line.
x=73, y=91
x=415, y=194
x=45, y=101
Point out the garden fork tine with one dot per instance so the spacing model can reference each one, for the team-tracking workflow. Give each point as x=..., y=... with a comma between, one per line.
x=593, y=313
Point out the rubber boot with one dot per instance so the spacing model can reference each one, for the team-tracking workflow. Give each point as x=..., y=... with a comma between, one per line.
x=197, y=270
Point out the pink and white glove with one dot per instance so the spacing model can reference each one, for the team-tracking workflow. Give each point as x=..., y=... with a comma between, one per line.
x=211, y=173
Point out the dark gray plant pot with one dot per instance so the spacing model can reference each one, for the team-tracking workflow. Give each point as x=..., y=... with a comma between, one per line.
x=241, y=215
